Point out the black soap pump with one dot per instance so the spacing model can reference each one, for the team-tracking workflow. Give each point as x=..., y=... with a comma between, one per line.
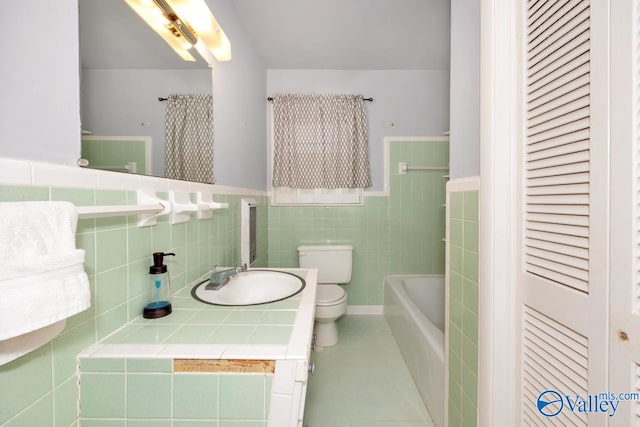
x=160, y=288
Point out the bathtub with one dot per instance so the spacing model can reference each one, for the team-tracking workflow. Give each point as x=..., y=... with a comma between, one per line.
x=414, y=309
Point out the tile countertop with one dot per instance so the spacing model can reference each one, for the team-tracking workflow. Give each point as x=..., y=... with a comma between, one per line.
x=195, y=330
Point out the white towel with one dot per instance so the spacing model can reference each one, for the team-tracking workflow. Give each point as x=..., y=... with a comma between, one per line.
x=42, y=277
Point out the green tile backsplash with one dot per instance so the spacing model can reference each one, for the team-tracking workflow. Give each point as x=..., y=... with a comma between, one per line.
x=463, y=309
x=396, y=234
x=117, y=259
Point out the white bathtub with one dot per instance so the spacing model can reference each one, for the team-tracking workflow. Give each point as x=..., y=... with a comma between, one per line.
x=414, y=309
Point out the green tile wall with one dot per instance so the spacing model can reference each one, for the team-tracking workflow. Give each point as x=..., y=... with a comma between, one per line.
x=401, y=233
x=148, y=392
x=463, y=309
x=398, y=234
x=107, y=152
x=118, y=255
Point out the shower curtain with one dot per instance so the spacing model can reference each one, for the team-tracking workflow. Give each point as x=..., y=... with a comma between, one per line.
x=189, y=138
x=320, y=141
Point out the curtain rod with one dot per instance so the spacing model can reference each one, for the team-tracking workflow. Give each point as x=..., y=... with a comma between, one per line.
x=165, y=99
x=269, y=98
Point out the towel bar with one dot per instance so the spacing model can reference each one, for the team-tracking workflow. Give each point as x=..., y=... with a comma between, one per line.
x=85, y=212
x=149, y=207
x=403, y=168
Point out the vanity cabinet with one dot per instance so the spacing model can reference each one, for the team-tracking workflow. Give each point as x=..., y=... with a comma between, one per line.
x=203, y=365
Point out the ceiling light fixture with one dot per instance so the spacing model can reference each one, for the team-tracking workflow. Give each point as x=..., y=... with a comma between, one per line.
x=184, y=24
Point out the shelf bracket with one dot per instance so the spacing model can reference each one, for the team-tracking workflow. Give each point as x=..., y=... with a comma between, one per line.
x=145, y=198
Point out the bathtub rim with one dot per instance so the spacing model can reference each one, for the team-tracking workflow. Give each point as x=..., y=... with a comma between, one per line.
x=432, y=337
x=424, y=324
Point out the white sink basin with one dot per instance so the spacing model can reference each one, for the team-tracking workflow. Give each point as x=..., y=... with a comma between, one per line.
x=251, y=288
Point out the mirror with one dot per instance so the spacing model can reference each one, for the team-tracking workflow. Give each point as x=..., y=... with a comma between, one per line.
x=125, y=68
x=382, y=50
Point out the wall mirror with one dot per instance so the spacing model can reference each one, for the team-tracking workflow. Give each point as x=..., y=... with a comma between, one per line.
x=125, y=68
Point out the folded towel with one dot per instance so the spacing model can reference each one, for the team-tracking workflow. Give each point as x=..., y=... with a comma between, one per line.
x=42, y=277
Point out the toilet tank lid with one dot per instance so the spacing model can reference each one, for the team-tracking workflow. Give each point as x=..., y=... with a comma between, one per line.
x=325, y=248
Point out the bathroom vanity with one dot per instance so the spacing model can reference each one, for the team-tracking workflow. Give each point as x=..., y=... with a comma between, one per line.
x=204, y=364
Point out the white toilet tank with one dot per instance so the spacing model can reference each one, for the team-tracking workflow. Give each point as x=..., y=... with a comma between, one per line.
x=332, y=261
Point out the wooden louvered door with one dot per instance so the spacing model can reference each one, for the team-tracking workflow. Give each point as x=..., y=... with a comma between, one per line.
x=624, y=330
x=562, y=287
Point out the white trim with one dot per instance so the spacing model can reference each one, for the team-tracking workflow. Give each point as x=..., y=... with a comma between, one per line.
x=624, y=201
x=365, y=309
x=386, y=190
x=23, y=172
x=464, y=184
x=498, y=394
x=316, y=196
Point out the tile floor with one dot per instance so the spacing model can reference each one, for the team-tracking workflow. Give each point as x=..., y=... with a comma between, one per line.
x=363, y=381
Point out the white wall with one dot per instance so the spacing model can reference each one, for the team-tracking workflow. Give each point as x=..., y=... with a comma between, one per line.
x=125, y=103
x=406, y=103
x=239, y=108
x=39, y=71
x=465, y=88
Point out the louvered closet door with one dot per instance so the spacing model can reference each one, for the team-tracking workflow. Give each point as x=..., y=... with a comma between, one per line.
x=624, y=331
x=562, y=287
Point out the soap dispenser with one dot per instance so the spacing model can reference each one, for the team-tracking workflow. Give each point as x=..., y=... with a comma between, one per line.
x=160, y=288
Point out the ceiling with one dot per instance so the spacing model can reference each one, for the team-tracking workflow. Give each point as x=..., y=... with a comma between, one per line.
x=349, y=34
x=295, y=34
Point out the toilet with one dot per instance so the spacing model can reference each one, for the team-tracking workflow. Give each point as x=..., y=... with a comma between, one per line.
x=334, y=266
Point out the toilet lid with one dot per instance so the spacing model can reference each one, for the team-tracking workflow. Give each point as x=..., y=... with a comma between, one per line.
x=329, y=293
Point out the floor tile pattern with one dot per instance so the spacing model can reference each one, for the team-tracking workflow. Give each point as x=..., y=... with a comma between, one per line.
x=363, y=381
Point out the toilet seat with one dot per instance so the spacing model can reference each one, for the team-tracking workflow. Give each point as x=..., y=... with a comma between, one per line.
x=330, y=295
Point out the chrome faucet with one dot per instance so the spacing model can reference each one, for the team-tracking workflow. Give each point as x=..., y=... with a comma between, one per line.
x=219, y=278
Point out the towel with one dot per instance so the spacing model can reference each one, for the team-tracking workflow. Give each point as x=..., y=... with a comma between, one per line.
x=42, y=277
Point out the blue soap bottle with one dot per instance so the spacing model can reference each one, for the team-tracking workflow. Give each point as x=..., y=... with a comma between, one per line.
x=159, y=288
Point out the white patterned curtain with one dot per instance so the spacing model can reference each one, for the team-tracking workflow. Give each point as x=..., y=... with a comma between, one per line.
x=320, y=141
x=189, y=138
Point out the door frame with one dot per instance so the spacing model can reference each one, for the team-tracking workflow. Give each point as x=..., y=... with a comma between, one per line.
x=499, y=127
x=499, y=200
x=623, y=239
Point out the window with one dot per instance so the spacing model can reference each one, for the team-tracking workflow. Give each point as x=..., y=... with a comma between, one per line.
x=320, y=149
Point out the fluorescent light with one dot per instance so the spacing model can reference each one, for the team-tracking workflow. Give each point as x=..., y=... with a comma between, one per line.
x=200, y=18
x=156, y=19
x=183, y=24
